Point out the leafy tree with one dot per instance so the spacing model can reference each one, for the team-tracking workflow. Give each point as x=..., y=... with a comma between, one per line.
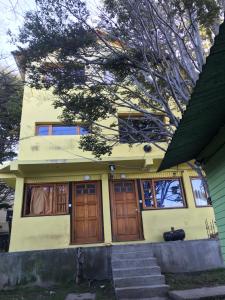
x=144, y=56
x=11, y=92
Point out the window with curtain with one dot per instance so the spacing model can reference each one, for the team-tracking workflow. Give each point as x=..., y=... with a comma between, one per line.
x=46, y=199
x=200, y=194
x=162, y=193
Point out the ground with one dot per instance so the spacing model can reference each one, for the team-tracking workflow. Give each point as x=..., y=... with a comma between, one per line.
x=103, y=290
x=183, y=281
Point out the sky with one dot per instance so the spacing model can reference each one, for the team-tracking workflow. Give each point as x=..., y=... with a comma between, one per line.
x=11, y=18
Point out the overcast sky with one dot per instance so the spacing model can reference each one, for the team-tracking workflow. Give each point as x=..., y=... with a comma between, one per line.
x=11, y=17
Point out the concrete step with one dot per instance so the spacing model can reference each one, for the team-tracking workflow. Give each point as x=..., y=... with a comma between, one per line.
x=132, y=263
x=139, y=281
x=134, y=255
x=131, y=272
x=141, y=291
x=132, y=248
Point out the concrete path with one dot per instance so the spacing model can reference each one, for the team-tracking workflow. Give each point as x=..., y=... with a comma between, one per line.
x=202, y=293
x=84, y=296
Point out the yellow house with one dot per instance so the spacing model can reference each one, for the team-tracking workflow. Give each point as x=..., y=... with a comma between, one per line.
x=65, y=197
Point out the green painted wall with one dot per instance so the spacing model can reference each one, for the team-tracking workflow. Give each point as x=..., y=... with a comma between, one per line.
x=215, y=170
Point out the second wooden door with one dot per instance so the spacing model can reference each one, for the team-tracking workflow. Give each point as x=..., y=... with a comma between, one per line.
x=126, y=216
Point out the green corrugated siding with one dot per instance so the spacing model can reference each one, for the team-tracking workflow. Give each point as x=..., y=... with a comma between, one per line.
x=215, y=170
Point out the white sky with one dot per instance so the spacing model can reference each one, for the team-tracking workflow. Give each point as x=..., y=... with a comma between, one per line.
x=11, y=17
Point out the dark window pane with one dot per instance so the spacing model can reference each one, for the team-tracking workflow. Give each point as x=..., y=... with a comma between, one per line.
x=118, y=187
x=200, y=195
x=128, y=187
x=91, y=191
x=148, y=197
x=83, y=131
x=168, y=193
x=42, y=130
x=138, y=129
x=79, y=76
x=64, y=130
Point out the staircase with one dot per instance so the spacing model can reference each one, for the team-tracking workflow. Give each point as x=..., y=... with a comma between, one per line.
x=136, y=274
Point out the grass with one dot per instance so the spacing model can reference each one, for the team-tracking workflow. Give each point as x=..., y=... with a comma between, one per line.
x=103, y=290
x=183, y=281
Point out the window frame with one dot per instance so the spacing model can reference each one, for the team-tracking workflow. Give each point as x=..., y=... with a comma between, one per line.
x=50, y=126
x=152, y=180
x=137, y=116
x=198, y=206
x=54, y=184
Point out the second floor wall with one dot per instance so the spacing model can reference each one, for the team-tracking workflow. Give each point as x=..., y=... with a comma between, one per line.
x=38, y=110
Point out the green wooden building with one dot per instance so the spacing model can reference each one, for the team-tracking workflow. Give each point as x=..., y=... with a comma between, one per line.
x=201, y=132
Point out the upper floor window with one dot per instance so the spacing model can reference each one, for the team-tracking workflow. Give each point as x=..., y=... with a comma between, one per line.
x=136, y=129
x=200, y=194
x=162, y=193
x=60, y=129
x=56, y=72
x=46, y=199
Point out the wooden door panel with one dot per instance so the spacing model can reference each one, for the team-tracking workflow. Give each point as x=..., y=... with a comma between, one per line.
x=126, y=218
x=87, y=213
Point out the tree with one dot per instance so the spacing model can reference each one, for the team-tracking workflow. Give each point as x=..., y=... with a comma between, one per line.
x=144, y=56
x=11, y=92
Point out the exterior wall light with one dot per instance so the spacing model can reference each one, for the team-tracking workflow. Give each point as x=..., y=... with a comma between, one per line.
x=112, y=169
x=147, y=148
x=87, y=177
x=123, y=176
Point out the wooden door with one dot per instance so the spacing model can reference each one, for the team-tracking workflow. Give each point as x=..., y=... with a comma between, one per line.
x=87, y=213
x=126, y=216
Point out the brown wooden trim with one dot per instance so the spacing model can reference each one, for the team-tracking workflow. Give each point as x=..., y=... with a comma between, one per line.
x=140, y=224
x=197, y=206
x=152, y=180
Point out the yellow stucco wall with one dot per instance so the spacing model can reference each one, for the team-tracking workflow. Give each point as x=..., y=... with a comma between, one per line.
x=38, y=108
x=51, y=232
x=37, y=233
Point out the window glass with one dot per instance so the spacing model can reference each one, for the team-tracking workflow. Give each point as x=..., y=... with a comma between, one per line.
x=200, y=195
x=64, y=130
x=168, y=193
x=148, y=197
x=83, y=131
x=42, y=130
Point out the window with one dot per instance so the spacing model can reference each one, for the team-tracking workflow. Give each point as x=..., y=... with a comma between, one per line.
x=162, y=193
x=137, y=129
x=60, y=129
x=46, y=199
x=200, y=194
x=54, y=72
